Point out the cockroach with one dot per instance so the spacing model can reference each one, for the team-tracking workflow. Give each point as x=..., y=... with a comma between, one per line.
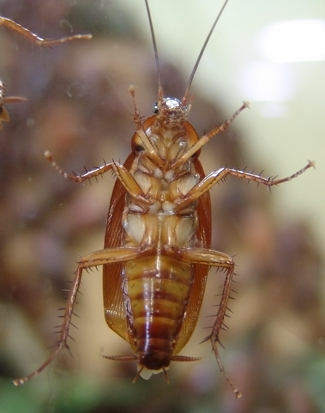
x=157, y=250
x=39, y=41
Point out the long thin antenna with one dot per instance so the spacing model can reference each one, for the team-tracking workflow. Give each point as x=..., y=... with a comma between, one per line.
x=185, y=98
x=154, y=43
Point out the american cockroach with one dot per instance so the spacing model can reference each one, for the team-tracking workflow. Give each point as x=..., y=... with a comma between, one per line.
x=33, y=38
x=157, y=250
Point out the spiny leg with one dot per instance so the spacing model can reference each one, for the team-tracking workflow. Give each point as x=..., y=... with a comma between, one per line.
x=219, y=324
x=216, y=176
x=64, y=333
x=206, y=138
x=121, y=172
x=82, y=177
x=220, y=260
x=33, y=38
x=101, y=257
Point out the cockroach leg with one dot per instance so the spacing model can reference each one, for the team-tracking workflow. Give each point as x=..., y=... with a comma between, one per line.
x=128, y=181
x=82, y=177
x=101, y=257
x=64, y=333
x=221, y=261
x=206, y=138
x=4, y=115
x=217, y=326
x=33, y=38
x=136, y=116
x=216, y=176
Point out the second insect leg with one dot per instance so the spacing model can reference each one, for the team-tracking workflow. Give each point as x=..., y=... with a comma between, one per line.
x=101, y=257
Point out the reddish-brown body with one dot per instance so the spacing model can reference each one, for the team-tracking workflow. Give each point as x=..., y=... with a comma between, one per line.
x=156, y=294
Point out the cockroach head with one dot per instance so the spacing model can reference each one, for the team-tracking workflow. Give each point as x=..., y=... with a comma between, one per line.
x=171, y=110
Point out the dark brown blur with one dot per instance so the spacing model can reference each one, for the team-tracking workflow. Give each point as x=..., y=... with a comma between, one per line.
x=79, y=109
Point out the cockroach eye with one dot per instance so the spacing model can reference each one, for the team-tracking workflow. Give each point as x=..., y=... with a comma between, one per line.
x=138, y=148
x=155, y=108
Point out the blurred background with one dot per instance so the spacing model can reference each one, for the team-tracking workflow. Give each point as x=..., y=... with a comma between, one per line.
x=268, y=53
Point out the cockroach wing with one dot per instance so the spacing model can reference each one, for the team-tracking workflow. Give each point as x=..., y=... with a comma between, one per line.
x=201, y=271
x=114, y=306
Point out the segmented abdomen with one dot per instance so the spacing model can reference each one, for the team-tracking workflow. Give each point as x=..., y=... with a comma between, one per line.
x=156, y=291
